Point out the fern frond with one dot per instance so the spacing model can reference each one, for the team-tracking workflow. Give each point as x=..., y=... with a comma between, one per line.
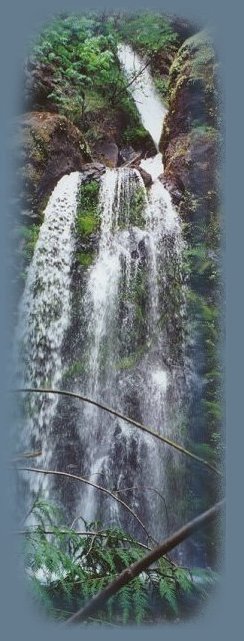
x=167, y=592
x=139, y=600
x=184, y=580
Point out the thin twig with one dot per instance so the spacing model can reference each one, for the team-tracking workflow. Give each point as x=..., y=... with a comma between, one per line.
x=146, y=487
x=97, y=487
x=82, y=533
x=99, y=600
x=164, y=439
x=124, y=88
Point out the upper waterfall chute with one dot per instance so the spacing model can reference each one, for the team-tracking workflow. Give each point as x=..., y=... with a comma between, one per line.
x=148, y=102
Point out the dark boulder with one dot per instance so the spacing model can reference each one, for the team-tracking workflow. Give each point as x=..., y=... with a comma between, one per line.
x=106, y=152
x=147, y=178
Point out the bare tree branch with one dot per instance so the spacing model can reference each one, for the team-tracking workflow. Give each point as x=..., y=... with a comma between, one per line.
x=164, y=439
x=97, y=487
x=137, y=75
x=101, y=533
x=146, y=487
x=99, y=600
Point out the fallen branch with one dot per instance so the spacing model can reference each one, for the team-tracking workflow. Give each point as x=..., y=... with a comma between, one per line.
x=164, y=439
x=99, y=600
x=130, y=162
x=97, y=487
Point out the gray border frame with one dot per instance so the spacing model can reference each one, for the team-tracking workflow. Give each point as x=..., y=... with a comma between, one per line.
x=19, y=21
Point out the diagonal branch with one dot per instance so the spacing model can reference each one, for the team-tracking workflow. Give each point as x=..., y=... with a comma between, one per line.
x=99, y=600
x=97, y=487
x=164, y=439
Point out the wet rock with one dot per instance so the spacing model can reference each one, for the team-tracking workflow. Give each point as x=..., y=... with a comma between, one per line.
x=147, y=178
x=92, y=171
x=126, y=154
x=46, y=146
x=174, y=186
x=189, y=141
x=107, y=152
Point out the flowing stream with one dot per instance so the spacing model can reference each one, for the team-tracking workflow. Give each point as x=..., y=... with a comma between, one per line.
x=129, y=329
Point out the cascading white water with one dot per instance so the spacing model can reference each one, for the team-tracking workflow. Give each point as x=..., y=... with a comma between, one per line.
x=128, y=353
x=129, y=331
x=131, y=365
x=44, y=314
x=147, y=100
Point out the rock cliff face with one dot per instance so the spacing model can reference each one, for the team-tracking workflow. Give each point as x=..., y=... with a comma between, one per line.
x=189, y=139
x=190, y=145
x=47, y=147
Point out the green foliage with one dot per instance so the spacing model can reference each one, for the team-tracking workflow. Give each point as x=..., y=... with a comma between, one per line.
x=76, y=369
x=75, y=567
x=29, y=234
x=88, y=221
x=79, y=56
x=127, y=362
x=149, y=32
x=78, y=59
x=137, y=207
x=85, y=258
x=162, y=85
x=135, y=134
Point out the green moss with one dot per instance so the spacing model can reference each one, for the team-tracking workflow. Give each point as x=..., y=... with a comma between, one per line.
x=87, y=223
x=137, y=209
x=75, y=369
x=85, y=258
x=135, y=135
x=162, y=85
x=88, y=220
x=127, y=362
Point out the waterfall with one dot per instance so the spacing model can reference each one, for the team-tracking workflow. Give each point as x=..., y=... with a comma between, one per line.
x=147, y=100
x=127, y=348
x=43, y=319
x=128, y=334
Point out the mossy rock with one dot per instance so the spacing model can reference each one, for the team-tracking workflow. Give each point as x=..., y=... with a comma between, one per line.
x=190, y=138
x=88, y=220
x=47, y=146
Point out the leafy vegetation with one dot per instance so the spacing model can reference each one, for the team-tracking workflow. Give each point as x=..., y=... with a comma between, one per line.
x=78, y=54
x=87, y=221
x=65, y=569
x=149, y=32
x=29, y=236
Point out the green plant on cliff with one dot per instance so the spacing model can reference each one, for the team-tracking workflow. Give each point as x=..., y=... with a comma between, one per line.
x=75, y=567
x=77, y=58
x=29, y=237
x=148, y=31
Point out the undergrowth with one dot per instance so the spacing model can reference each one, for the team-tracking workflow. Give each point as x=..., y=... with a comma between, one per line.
x=66, y=568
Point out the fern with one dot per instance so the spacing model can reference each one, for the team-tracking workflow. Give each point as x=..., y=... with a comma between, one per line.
x=167, y=591
x=65, y=570
x=124, y=600
x=184, y=580
x=139, y=599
